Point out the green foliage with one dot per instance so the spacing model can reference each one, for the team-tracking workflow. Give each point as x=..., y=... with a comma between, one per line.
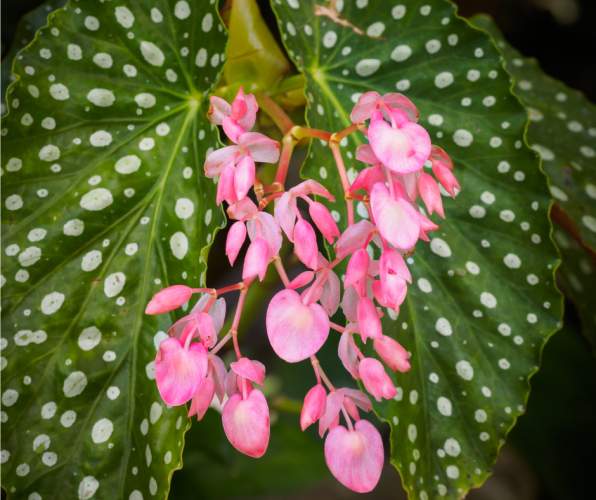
x=562, y=130
x=104, y=203
x=483, y=300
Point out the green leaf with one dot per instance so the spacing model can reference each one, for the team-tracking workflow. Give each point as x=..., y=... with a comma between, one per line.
x=104, y=203
x=24, y=33
x=562, y=130
x=483, y=301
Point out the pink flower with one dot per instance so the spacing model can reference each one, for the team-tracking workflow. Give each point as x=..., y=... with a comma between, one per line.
x=397, y=220
x=313, y=407
x=402, y=146
x=375, y=379
x=296, y=331
x=392, y=353
x=179, y=370
x=355, y=457
x=235, y=165
x=246, y=423
x=357, y=271
x=168, y=299
x=238, y=118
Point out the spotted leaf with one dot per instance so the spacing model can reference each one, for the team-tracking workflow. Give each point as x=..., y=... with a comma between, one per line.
x=562, y=130
x=104, y=203
x=483, y=301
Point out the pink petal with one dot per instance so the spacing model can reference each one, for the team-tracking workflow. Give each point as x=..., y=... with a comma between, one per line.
x=348, y=354
x=285, y=213
x=232, y=129
x=248, y=118
x=445, y=176
x=218, y=110
x=399, y=101
x=249, y=369
x=246, y=423
x=301, y=280
x=207, y=329
x=244, y=177
x=392, y=353
x=235, y=240
x=305, y=244
x=225, y=185
x=365, y=154
x=396, y=220
x=367, y=178
x=349, y=304
x=330, y=417
x=256, y=260
x=438, y=156
x=217, y=159
x=392, y=263
x=168, y=299
x=178, y=372
x=367, y=102
x=296, y=331
x=358, y=397
x=313, y=407
x=322, y=218
x=262, y=149
x=202, y=398
x=330, y=293
x=430, y=194
x=264, y=225
x=218, y=372
x=353, y=238
x=355, y=458
x=375, y=379
x=369, y=323
x=357, y=270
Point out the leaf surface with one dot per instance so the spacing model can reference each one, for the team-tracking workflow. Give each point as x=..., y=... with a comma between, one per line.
x=104, y=203
x=483, y=301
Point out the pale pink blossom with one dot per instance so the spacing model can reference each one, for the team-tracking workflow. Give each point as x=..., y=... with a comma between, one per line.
x=296, y=331
x=246, y=423
x=355, y=457
x=236, y=118
x=372, y=101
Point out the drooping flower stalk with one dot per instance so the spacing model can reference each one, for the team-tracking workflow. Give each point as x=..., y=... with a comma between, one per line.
x=298, y=323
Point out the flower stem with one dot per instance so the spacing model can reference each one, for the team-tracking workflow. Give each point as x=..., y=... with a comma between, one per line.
x=345, y=183
x=275, y=112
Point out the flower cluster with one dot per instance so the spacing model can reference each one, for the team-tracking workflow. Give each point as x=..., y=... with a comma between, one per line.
x=298, y=322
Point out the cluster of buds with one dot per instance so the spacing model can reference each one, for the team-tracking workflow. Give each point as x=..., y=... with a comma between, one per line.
x=298, y=322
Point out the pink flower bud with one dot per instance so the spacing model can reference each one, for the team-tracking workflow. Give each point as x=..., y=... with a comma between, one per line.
x=235, y=240
x=369, y=323
x=305, y=244
x=168, y=299
x=206, y=329
x=322, y=218
x=246, y=423
x=356, y=457
x=313, y=407
x=357, y=270
x=179, y=371
x=256, y=260
x=430, y=194
x=225, y=185
x=392, y=353
x=348, y=354
x=446, y=178
x=301, y=280
x=375, y=379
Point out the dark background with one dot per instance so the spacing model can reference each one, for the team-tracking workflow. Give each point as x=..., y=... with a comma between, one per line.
x=550, y=453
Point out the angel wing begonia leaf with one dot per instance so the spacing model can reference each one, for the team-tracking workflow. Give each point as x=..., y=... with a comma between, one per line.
x=475, y=320
x=104, y=202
